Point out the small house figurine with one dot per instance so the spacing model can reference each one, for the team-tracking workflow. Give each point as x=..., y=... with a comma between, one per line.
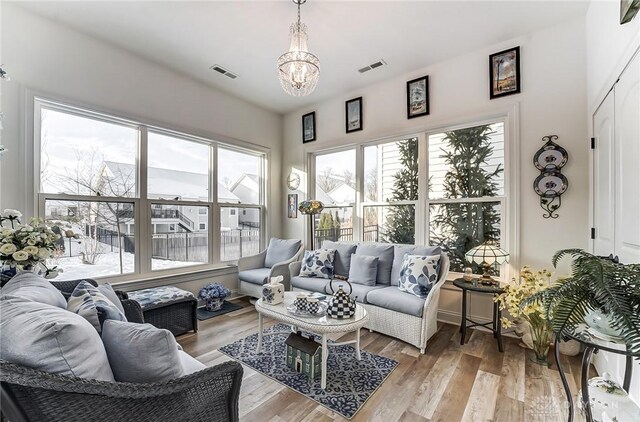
x=273, y=293
x=304, y=355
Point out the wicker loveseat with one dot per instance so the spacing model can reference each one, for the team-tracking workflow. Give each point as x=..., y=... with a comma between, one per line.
x=209, y=394
x=391, y=311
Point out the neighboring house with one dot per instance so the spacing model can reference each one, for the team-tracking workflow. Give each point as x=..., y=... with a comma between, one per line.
x=118, y=178
x=247, y=188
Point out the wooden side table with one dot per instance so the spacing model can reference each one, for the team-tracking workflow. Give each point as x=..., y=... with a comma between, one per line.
x=475, y=286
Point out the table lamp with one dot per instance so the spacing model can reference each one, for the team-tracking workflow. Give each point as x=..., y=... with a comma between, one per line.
x=487, y=255
x=311, y=208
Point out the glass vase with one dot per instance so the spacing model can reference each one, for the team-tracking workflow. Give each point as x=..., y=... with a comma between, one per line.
x=541, y=339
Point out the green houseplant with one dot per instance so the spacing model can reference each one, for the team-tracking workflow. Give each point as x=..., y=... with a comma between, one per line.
x=595, y=284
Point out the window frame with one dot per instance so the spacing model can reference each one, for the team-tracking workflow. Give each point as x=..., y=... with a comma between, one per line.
x=509, y=201
x=141, y=202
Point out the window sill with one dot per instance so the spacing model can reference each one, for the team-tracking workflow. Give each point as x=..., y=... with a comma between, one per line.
x=140, y=281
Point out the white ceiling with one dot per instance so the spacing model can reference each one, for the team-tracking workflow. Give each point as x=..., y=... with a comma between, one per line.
x=247, y=37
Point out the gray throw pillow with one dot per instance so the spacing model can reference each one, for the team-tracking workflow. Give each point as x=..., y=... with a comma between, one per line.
x=34, y=287
x=141, y=353
x=51, y=339
x=280, y=250
x=108, y=291
x=363, y=270
x=342, y=260
x=88, y=302
x=384, y=252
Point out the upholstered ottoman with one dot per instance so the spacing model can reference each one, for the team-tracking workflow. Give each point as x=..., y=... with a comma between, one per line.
x=168, y=307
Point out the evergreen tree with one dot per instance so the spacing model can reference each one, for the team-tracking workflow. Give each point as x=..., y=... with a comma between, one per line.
x=462, y=226
x=400, y=222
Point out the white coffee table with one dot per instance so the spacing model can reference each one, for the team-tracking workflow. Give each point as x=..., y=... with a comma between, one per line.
x=322, y=326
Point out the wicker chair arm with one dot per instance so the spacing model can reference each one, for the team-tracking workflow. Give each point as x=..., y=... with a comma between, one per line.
x=132, y=311
x=191, y=396
x=67, y=286
x=282, y=268
x=252, y=262
x=294, y=268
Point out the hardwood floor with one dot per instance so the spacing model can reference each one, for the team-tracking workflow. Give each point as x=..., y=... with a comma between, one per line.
x=449, y=382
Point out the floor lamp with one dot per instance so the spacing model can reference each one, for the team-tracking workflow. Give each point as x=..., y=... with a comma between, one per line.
x=311, y=208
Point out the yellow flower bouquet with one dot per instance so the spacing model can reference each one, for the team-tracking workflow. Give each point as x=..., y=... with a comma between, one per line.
x=529, y=283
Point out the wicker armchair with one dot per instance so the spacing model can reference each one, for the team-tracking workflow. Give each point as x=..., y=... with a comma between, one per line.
x=209, y=395
x=132, y=309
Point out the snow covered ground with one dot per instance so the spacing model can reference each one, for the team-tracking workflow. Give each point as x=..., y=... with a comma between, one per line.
x=108, y=264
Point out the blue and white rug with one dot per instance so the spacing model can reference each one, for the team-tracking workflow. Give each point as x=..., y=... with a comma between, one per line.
x=350, y=382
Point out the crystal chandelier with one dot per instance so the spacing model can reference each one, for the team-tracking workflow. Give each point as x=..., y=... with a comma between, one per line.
x=298, y=69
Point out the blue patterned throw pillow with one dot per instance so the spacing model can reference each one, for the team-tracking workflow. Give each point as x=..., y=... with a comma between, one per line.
x=418, y=274
x=318, y=263
x=88, y=302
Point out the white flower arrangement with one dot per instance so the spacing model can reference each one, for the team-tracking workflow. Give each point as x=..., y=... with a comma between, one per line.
x=27, y=246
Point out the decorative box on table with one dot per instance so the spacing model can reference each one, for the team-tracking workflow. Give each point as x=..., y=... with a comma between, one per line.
x=273, y=293
x=304, y=355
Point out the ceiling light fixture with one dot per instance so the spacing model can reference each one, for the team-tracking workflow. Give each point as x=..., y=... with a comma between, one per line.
x=298, y=69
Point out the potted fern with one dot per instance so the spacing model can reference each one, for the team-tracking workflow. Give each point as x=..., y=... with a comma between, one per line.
x=595, y=285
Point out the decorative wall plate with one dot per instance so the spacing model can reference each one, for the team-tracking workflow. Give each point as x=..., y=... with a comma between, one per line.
x=550, y=184
x=550, y=156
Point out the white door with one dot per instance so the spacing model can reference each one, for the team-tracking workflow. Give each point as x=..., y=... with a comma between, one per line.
x=627, y=164
x=603, y=178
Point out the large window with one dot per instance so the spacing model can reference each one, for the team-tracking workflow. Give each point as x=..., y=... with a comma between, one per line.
x=443, y=188
x=466, y=189
x=242, y=185
x=130, y=199
x=335, y=176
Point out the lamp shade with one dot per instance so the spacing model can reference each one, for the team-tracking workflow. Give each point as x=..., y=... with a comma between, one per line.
x=487, y=254
x=311, y=207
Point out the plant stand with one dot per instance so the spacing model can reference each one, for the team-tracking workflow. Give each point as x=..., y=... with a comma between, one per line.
x=592, y=345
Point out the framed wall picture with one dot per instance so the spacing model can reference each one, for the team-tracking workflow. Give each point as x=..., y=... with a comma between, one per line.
x=292, y=205
x=418, y=97
x=504, y=73
x=309, y=127
x=628, y=10
x=353, y=115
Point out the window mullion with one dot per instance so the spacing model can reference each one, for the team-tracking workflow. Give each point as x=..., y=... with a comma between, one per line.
x=214, y=209
x=422, y=222
x=142, y=226
x=358, y=218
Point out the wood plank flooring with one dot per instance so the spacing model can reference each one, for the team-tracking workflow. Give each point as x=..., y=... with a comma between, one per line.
x=448, y=383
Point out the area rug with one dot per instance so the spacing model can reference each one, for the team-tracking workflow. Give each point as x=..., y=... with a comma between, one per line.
x=227, y=307
x=350, y=382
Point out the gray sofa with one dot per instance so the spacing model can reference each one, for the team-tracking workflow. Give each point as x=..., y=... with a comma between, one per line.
x=392, y=311
x=256, y=270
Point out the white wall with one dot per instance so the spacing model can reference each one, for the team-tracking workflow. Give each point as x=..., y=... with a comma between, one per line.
x=610, y=47
x=45, y=57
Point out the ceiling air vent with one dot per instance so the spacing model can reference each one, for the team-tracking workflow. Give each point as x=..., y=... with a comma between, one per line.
x=372, y=66
x=223, y=71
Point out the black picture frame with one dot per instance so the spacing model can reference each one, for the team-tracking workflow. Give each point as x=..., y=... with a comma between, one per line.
x=628, y=10
x=353, y=113
x=418, y=97
x=512, y=83
x=309, y=127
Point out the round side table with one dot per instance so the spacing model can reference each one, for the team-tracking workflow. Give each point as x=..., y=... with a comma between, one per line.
x=476, y=286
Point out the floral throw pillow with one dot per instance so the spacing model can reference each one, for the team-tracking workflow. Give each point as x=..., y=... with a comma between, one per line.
x=418, y=274
x=91, y=304
x=318, y=263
